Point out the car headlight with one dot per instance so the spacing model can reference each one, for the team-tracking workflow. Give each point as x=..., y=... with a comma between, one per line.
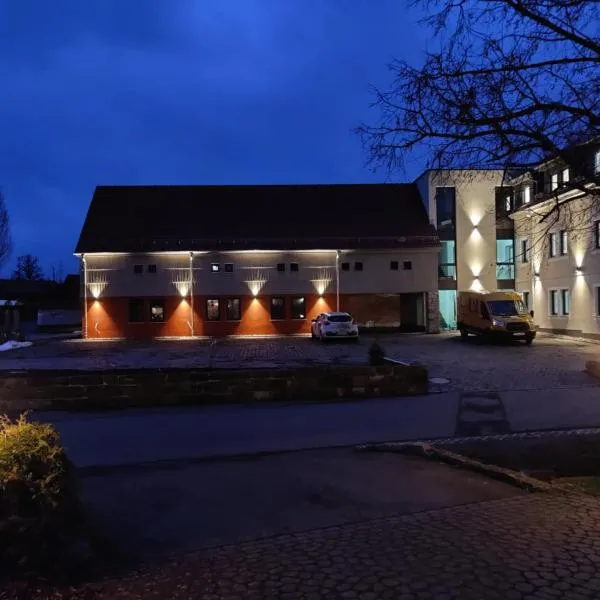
x=497, y=323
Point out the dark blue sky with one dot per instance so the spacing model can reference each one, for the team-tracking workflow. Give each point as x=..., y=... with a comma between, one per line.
x=183, y=92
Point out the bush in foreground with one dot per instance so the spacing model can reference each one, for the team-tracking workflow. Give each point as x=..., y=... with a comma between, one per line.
x=39, y=508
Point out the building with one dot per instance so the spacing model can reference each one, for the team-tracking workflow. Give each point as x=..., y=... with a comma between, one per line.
x=471, y=215
x=172, y=261
x=557, y=232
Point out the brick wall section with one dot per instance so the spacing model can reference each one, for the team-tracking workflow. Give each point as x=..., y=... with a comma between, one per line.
x=78, y=390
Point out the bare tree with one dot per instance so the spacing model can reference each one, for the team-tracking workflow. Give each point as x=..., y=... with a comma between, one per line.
x=5, y=235
x=513, y=83
x=28, y=267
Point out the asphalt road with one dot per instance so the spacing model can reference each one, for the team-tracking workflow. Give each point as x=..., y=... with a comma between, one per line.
x=138, y=436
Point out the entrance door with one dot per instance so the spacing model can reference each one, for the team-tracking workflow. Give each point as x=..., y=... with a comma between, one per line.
x=447, y=309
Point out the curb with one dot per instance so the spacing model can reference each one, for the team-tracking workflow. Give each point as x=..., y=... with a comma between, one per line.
x=428, y=451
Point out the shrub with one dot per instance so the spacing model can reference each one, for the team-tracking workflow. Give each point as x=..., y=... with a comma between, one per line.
x=39, y=507
x=376, y=354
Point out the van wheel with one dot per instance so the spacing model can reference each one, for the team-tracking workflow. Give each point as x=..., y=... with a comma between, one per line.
x=464, y=334
x=528, y=340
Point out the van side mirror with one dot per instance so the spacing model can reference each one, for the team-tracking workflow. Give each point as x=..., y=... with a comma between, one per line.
x=531, y=313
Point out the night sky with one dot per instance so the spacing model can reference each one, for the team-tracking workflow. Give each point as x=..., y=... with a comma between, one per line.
x=184, y=92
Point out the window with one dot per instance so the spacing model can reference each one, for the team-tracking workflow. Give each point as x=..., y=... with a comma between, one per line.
x=152, y=269
x=345, y=266
x=233, y=310
x=358, y=266
x=394, y=265
x=138, y=269
x=215, y=267
x=447, y=268
x=507, y=204
x=565, y=302
x=505, y=259
x=136, y=310
x=294, y=267
x=277, y=308
x=526, y=300
x=228, y=267
x=524, y=251
x=527, y=194
x=445, y=203
x=281, y=267
x=213, y=312
x=552, y=244
x=407, y=265
x=298, y=308
x=157, y=311
x=553, y=302
x=597, y=233
x=564, y=242
x=597, y=163
x=565, y=176
x=554, y=181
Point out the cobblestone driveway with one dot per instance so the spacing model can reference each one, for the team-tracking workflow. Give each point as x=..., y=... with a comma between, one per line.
x=551, y=362
x=536, y=546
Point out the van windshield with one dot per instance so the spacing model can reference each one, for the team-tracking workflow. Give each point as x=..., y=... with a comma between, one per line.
x=507, y=308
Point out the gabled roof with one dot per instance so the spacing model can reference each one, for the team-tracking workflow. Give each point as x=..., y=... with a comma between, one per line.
x=168, y=218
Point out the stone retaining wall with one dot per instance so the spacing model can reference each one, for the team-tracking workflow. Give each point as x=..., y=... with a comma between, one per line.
x=102, y=390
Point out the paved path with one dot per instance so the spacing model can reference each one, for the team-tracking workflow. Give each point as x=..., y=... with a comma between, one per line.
x=134, y=436
x=536, y=546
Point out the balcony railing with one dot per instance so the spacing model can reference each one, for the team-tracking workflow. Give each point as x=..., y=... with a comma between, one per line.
x=505, y=271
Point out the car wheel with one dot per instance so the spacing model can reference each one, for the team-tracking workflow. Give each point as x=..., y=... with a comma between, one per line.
x=528, y=340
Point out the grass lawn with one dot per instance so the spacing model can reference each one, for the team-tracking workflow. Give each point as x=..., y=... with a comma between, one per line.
x=571, y=461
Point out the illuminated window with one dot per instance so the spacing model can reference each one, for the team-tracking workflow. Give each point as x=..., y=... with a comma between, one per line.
x=597, y=163
x=564, y=242
x=508, y=204
x=157, y=311
x=565, y=176
x=213, y=311
x=152, y=269
x=554, y=302
x=277, y=308
x=215, y=267
x=565, y=302
x=407, y=265
x=394, y=265
x=447, y=268
x=552, y=244
x=228, y=267
x=298, y=308
x=138, y=269
x=445, y=203
x=527, y=194
x=136, y=310
x=233, y=309
x=554, y=181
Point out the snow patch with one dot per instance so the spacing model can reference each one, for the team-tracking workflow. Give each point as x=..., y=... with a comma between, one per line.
x=13, y=345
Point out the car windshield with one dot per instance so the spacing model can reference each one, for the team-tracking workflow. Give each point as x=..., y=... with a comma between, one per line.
x=339, y=318
x=507, y=308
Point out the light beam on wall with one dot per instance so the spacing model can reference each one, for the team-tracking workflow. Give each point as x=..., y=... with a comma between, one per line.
x=321, y=281
x=256, y=282
x=96, y=283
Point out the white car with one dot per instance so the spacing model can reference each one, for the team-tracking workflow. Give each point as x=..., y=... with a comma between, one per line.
x=332, y=325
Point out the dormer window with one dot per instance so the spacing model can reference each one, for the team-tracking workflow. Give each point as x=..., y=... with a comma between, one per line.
x=565, y=176
x=554, y=181
x=527, y=194
x=597, y=163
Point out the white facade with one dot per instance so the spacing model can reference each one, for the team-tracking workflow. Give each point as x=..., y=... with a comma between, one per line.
x=560, y=272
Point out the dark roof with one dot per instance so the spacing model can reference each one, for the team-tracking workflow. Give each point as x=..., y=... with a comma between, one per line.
x=16, y=288
x=160, y=218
